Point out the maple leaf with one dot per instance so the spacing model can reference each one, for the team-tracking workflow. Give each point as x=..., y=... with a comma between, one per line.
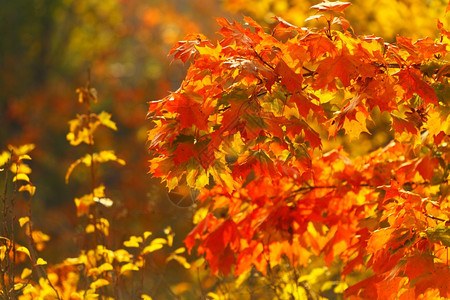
x=343, y=66
x=401, y=125
x=198, y=231
x=284, y=27
x=381, y=92
x=305, y=105
x=336, y=6
x=341, y=21
x=353, y=118
x=183, y=153
x=220, y=247
x=437, y=279
x=250, y=112
x=353, y=128
x=292, y=80
x=234, y=33
x=185, y=50
x=189, y=111
x=319, y=45
x=426, y=167
x=410, y=80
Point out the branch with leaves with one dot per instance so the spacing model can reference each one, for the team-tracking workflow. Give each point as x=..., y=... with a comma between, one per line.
x=247, y=129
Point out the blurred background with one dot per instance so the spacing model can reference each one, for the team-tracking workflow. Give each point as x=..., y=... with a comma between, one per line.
x=46, y=50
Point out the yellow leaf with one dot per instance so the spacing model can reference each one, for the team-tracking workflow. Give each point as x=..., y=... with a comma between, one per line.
x=40, y=237
x=90, y=228
x=19, y=286
x=21, y=150
x=180, y=250
x=133, y=242
x=40, y=262
x=24, y=156
x=156, y=244
x=128, y=267
x=147, y=234
x=25, y=273
x=122, y=255
x=200, y=214
x=105, y=120
x=101, y=157
x=213, y=296
x=20, y=168
x=84, y=295
x=21, y=176
x=103, y=226
x=146, y=297
x=4, y=157
x=83, y=204
x=152, y=248
x=2, y=252
x=191, y=177
x=24, y=250
x=169, y=232
x=436, y=123
x=80, y=131
x=159, y=241
x=23, y=221
x=202, y=180
x=182, y=260
x=340, y=288
x=105, y=267
x=172, y=183
x=31, y=189
x=354, y=128
x=109, y=155
x=99, y=283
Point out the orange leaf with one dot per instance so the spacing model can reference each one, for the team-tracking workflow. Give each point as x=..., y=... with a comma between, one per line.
x=289, y=78
x=337, y=6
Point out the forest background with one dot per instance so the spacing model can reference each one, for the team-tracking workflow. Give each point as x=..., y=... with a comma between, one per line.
x=46, y=50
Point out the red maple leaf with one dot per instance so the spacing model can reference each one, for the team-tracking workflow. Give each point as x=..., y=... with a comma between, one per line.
x=292, y=81
x=184, y=50
x=410, y=80
x=183, y=153
x=189, y=111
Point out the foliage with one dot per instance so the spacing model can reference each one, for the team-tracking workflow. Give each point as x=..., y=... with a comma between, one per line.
x=383, y=18
x=249, y=128
x=361, y=215
x=98, y=272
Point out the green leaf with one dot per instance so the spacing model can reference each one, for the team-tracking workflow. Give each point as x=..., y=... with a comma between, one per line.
x=440, y=233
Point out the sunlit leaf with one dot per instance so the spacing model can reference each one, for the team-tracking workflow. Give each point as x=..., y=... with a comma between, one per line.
x=133, y=242
x=155, y=244
x=105, y=120
x=23, y=221
x=2, y=252
x=40, y=262
x=128, y=267
x=21, y=150
x=21, y=176
x=24, y=250
x=31, y=189
x=5, y=156
x=99, y=283
x=25, y=273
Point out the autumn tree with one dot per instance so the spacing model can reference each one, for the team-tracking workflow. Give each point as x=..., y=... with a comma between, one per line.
x=259, y=126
